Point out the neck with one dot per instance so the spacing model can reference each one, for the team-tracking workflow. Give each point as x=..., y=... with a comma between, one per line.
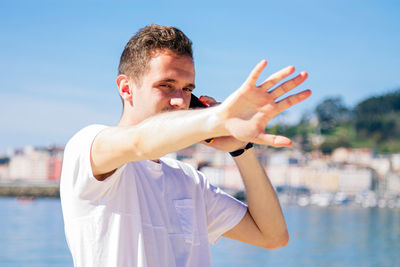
x=128, y=120
x=124, y=121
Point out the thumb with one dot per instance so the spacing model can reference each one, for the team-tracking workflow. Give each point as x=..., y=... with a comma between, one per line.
x=273, y=140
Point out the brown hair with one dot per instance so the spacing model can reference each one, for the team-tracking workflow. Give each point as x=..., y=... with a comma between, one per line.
x=148, y=41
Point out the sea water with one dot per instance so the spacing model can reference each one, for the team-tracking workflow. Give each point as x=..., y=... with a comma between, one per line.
x=32, y=234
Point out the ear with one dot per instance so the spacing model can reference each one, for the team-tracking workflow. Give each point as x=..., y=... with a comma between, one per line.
x=125, y=88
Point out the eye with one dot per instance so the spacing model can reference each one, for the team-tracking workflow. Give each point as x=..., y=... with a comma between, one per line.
x=186, y=89
x=165, y=85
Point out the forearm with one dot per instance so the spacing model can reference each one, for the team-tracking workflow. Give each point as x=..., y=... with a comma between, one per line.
x=263, y=203
x=175, y=130
x=154, y=137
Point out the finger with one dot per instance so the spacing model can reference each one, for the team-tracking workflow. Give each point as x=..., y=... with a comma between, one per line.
x=273, y=140
x=292, y=100
x=289, y=85
x=276, y=77
x=255, y=73
x=208, y=100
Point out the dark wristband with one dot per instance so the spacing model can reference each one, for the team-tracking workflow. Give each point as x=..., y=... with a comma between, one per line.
x=241, y=151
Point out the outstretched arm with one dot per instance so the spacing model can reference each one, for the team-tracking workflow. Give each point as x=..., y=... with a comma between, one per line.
x=153, y=138
x=243, y=115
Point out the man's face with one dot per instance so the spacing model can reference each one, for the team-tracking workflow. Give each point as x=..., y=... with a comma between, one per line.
x=165, y=86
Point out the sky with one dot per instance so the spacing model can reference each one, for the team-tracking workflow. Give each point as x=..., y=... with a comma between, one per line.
x=59, y=60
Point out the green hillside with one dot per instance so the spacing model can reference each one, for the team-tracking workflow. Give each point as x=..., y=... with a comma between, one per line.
x=372, y=123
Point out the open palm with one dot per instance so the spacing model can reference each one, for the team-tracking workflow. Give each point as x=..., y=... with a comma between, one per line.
x=249, y=109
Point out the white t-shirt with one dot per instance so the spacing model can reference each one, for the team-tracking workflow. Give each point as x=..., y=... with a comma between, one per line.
x=145, y=214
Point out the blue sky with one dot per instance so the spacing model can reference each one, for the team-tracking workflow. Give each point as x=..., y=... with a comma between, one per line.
x=58, y=61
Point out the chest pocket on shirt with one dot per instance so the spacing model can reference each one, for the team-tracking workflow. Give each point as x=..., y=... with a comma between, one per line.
x=187, y=217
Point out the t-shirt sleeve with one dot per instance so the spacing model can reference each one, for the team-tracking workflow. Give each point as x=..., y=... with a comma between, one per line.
x=77, y=175
x=223, y=211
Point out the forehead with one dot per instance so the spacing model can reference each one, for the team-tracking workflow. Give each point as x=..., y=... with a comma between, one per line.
x=169, y=65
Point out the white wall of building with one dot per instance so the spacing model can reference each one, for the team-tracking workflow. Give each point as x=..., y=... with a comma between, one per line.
x=31, y=165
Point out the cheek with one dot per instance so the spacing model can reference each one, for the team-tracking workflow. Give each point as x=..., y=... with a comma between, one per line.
x=160, y=100
x=187, y=100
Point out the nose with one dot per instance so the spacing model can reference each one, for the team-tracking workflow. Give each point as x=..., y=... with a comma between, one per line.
x=177, y=100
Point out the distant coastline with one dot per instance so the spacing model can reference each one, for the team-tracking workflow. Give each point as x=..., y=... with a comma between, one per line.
x=29, y=189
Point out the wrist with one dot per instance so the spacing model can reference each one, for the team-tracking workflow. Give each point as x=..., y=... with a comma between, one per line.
x=239, y=152
x=217, y=121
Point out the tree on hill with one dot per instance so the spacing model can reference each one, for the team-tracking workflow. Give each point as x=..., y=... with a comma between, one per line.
x=331, y=112
x=378, y=105
x=379, y=117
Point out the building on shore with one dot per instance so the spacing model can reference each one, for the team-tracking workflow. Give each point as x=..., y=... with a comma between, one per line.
x=350, y=171
x=35, y=164
x=4, y=167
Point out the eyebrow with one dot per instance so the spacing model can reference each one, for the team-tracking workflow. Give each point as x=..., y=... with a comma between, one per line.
x=191, y=85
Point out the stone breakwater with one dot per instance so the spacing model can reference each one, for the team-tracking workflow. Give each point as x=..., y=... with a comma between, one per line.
x=24, y=189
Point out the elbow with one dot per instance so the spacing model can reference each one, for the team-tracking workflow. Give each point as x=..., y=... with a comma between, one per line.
x=139, y=150
x=276, y=242
x=282, y=242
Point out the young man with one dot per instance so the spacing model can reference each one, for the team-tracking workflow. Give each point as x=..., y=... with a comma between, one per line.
x=126, y=205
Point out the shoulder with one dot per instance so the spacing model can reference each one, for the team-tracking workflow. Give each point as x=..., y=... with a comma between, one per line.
x=78, y=147
x=84, y=136
x=89, y=130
